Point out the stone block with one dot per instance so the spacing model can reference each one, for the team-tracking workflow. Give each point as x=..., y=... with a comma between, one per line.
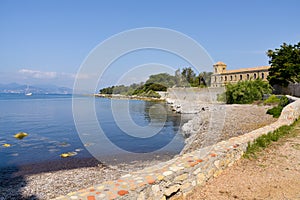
x=186, y=186
x=181, y=177
x=141, y=196
x=155, y=189
x=171, y=190
x=201, y=178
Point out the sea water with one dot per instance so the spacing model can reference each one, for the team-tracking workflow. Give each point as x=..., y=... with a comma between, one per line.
x=48, y=120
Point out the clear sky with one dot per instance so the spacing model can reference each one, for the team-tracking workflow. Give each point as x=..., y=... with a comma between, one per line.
x=44, y=42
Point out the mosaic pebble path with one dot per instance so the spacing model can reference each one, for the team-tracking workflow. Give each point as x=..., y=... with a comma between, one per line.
x=182, y=173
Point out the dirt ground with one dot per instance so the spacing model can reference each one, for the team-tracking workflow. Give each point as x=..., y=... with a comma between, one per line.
x=275, y=174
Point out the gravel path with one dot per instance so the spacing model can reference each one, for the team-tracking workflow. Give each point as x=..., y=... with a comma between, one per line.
x=44, y=184
x=274, y=175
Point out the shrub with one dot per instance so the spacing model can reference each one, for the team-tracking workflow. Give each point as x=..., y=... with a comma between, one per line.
x=273, y=99
x=246, y=92
x=276, y=111
x=283, y=101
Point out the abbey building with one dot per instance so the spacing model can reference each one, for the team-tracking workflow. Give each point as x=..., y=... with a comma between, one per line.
x=221, y=76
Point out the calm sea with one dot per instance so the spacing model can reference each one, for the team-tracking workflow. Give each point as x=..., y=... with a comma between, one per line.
x=48, y=119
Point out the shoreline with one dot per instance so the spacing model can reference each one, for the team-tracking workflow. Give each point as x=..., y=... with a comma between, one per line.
x=35, y=180
x=126, y=97
x=49, y=180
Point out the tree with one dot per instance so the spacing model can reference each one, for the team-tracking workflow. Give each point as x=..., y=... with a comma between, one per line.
x=285, y=65
x=188, y=76
x=204, y=78
x=178, y=78
x=164, y=79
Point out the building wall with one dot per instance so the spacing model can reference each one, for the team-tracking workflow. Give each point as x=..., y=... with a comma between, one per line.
x=221, y=76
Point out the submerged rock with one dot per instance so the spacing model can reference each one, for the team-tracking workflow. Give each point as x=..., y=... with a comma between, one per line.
x=68, y=154
x=6, y=145
x=20, y=135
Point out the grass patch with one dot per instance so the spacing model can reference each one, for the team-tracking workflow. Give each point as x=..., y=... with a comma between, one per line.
x=265, y=140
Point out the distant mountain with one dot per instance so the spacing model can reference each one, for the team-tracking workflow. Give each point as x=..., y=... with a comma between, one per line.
x=35, y=89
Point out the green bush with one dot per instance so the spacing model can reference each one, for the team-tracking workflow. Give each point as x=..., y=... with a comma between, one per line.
x=245, y=92
x=276, y=111
x=283, y=101
x=273, y=99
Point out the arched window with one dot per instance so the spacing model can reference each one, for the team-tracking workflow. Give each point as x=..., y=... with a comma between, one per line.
x=215, y=79
x=225, y=78
x=248, y=76
x=241, y=77
x=262, y=75
x=230, y=78
x=235, y=77
x=254, y=76
x=221, y=78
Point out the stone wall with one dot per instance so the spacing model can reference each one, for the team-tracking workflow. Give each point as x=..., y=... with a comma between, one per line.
x=292, y=89
x=181, y=174
x=205, y=95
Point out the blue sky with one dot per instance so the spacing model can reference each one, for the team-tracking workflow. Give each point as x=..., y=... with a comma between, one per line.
x=43, y=42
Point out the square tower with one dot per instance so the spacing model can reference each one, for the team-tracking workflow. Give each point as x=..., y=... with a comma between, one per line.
x=219, y=68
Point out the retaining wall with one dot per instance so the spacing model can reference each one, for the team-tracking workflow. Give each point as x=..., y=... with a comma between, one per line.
x=292, y=89
x=183, y=173
x=205, y=95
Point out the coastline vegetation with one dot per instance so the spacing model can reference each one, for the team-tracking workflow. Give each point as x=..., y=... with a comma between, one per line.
x=246, y=92
x=161, y=82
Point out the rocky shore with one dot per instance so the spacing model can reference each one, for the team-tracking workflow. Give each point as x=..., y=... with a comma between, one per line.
x=133, y=97
x=211, y=123
x=217, y=122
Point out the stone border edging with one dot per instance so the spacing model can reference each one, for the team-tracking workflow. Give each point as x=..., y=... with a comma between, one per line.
x=183, y=173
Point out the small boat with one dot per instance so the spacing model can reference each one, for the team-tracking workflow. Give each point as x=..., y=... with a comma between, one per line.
x=28, y=93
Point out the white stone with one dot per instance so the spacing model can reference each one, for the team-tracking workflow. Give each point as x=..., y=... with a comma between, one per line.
x=167, y=173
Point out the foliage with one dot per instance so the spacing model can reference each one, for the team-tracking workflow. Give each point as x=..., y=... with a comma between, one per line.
x=265, y=140
x=221, y=97
x=120, y=89
x=273, y=99
x=245, y=92
x=276, y=111
x=284, y=101
x=205, y=78
x=149, y=89
x=161, y=82
x=188, y=78
x=162, y=79
x=285, y=65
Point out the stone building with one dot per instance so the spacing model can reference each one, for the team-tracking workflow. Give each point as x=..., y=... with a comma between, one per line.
x=221, y=76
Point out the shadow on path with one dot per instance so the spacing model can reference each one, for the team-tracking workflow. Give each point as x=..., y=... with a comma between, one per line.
x=11, y=185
